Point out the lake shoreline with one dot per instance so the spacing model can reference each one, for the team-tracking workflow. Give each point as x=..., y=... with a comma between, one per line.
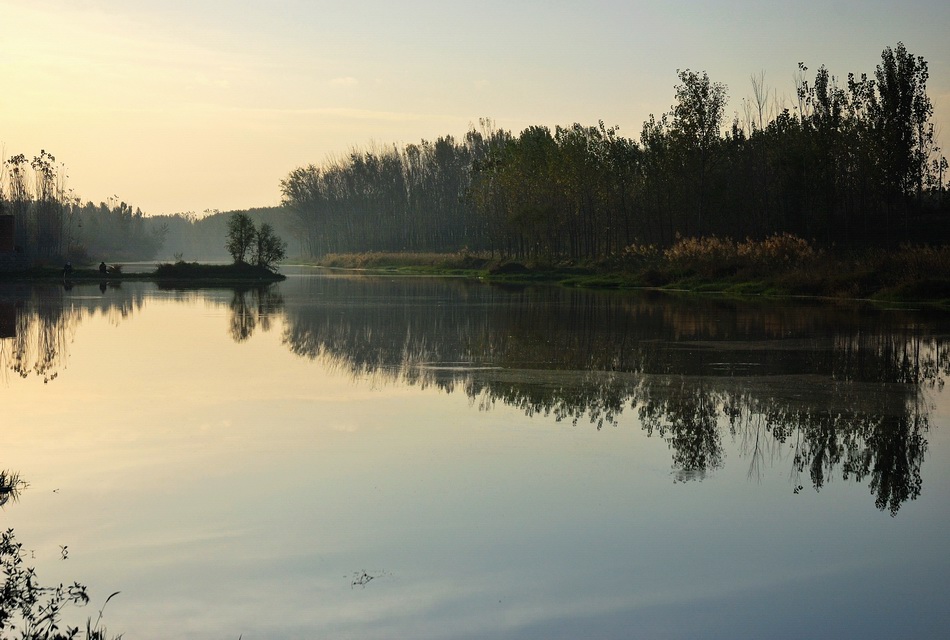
x=906, y=276
x=840, y=277
x=185, y=272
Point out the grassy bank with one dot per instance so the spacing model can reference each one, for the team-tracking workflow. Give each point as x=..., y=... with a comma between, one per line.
x=778, y=266
x=462, y=262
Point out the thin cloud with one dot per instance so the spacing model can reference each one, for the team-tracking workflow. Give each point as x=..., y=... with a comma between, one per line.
x=337, y=112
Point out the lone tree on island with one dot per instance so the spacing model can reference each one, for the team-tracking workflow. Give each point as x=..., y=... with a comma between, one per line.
x=268, y=249
x=241, y=234
x=262, y=245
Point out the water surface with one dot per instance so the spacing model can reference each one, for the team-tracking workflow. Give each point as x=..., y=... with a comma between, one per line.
x=343, y=457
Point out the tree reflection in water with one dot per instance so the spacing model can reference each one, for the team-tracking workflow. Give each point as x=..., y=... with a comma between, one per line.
x=870, y=434
x=835, y=389
x=686, y=416
x=802, y=382
x=37, y=323
x=250, y=307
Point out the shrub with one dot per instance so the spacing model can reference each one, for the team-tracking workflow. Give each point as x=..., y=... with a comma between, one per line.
x=776, y=253
x=462, y=259
x=709, y=256
x=917, y=262
x=639, y=255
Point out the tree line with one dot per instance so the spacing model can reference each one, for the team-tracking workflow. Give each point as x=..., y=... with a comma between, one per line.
x=52, y=223
x=847, y=163
x=391, y=199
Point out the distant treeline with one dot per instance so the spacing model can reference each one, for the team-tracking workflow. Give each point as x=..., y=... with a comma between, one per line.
x=113, y=231
x=852, y=164
x=52, y=224
x=194, y=237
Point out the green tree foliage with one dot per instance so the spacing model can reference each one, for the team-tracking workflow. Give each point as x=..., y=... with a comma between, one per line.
x=696, y=132
x=268, y=249
x=240, y=236
x=900, y=118
x=390, y=199
x=855, y=163
x=262, y=244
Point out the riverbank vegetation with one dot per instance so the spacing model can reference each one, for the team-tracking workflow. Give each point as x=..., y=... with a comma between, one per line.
x=780, y=265
x=846, y=164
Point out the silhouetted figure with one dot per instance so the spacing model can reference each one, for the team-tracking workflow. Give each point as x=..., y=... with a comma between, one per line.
x=67, y=269
x=102, y=268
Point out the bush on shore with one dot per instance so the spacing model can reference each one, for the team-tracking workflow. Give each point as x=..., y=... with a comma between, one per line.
x=195, y=270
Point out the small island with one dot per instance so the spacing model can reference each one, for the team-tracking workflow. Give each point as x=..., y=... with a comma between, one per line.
x=236, y=272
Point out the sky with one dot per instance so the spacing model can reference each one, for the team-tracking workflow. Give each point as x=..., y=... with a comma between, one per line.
x=195, y=105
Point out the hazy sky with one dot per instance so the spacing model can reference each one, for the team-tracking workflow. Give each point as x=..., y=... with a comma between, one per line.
x=187, y=105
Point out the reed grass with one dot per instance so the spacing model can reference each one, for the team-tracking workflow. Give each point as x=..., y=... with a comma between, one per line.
x=10, y=487
x=781, y=264
x=460, y=260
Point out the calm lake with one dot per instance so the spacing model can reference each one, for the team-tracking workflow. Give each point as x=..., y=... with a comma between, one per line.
x=393, y=457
